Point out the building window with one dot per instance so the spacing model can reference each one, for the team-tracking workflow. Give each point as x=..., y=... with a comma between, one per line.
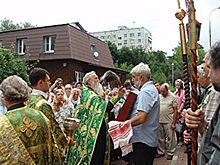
x=119, y=38
x=139, y=40
x=131, y=34
x=102, y=37
x=125, y=42
x=139, y=34
x=94, y=52
x=108, y=37
x=114, y=36
x=119, y=44
x=21, y=45
x=49, y=42
x=132, y=41
x=125, y=35
x=78, y=76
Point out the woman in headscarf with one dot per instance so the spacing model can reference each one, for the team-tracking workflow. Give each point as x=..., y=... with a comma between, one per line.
x=3, y=108
x=62, y=108
x=68, y=89
x=179, y=93
x=78, y=85
x=75, y=97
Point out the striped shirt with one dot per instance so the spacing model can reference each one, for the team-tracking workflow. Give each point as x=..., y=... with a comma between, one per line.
x=208, y=107
x=209, y=152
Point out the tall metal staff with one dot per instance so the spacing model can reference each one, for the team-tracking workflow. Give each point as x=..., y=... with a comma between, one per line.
x=180, y=14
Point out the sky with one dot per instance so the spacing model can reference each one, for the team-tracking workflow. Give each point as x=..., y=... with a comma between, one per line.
x=157, y=16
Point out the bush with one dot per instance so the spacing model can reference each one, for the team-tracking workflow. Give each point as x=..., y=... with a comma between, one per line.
x=10, y=66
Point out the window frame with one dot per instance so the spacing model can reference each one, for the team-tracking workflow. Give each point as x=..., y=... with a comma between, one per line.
x=49, y=44
x=78, y=76
x=21, y=47
x=131, y=34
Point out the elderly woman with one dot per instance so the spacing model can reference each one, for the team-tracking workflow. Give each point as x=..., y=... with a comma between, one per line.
x=62, y=108
x=3, y=108
x=75, y=97
x=68, y=89
x=24, y=130
x=78, y=85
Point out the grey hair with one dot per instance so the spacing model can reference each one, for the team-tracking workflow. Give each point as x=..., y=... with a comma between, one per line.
x=87, y=77
x=15, y=89
x=200, y=70
x=166, y=85
x=142, y=69
x=215, y=55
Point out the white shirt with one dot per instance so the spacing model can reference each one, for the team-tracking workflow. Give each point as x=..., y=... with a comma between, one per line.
x=36, y=91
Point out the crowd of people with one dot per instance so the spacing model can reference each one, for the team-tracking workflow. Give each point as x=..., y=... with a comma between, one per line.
x=31, y=119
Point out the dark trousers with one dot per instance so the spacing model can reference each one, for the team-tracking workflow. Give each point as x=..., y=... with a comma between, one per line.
x=143, y=154
x=99, y=151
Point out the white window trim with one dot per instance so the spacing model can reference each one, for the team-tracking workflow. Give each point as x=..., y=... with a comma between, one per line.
x=22, y=46
x=78, y=76
x=48, y=51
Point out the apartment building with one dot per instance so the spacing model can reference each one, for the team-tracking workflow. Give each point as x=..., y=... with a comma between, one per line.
x=130, y=37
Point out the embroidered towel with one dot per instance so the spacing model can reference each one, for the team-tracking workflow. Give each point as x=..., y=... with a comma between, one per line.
x=121, y=132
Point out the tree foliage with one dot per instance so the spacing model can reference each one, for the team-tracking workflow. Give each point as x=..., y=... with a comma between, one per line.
x=10, y=66
x=158, y=61
x=6, y=24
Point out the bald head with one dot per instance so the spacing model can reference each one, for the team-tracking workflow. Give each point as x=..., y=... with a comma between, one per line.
x=164, y=90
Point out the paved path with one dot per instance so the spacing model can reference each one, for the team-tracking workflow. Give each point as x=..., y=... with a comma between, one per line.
x=179, y=158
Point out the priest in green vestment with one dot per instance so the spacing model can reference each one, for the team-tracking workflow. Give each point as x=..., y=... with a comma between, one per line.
x=92, y=138
x=40, y=80
x=26, y=136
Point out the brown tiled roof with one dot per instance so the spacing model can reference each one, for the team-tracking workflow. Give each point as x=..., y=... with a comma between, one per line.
x=71, y=43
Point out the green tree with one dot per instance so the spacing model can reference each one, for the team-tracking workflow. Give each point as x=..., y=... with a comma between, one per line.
x=177, y=59
x=160, y=68
x=139, y=55
x=125, y=67
x=125, y=55
x=113, y=50
x=6, y=24
x=159, y=63
x=10, y=66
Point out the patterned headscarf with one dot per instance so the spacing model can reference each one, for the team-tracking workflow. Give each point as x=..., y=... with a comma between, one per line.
x=181, y=87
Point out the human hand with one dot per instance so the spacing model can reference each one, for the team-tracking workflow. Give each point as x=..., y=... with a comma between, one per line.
x=173, y=126
x=72, y=142
x=56, y=82
x=184, y=114
x=68, y=133
x=121, y=91
x=194, y=119
x=187, y=137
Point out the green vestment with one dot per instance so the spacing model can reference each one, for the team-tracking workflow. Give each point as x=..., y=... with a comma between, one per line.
x=38, y=102
x=91, y=111
x=26, y=138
